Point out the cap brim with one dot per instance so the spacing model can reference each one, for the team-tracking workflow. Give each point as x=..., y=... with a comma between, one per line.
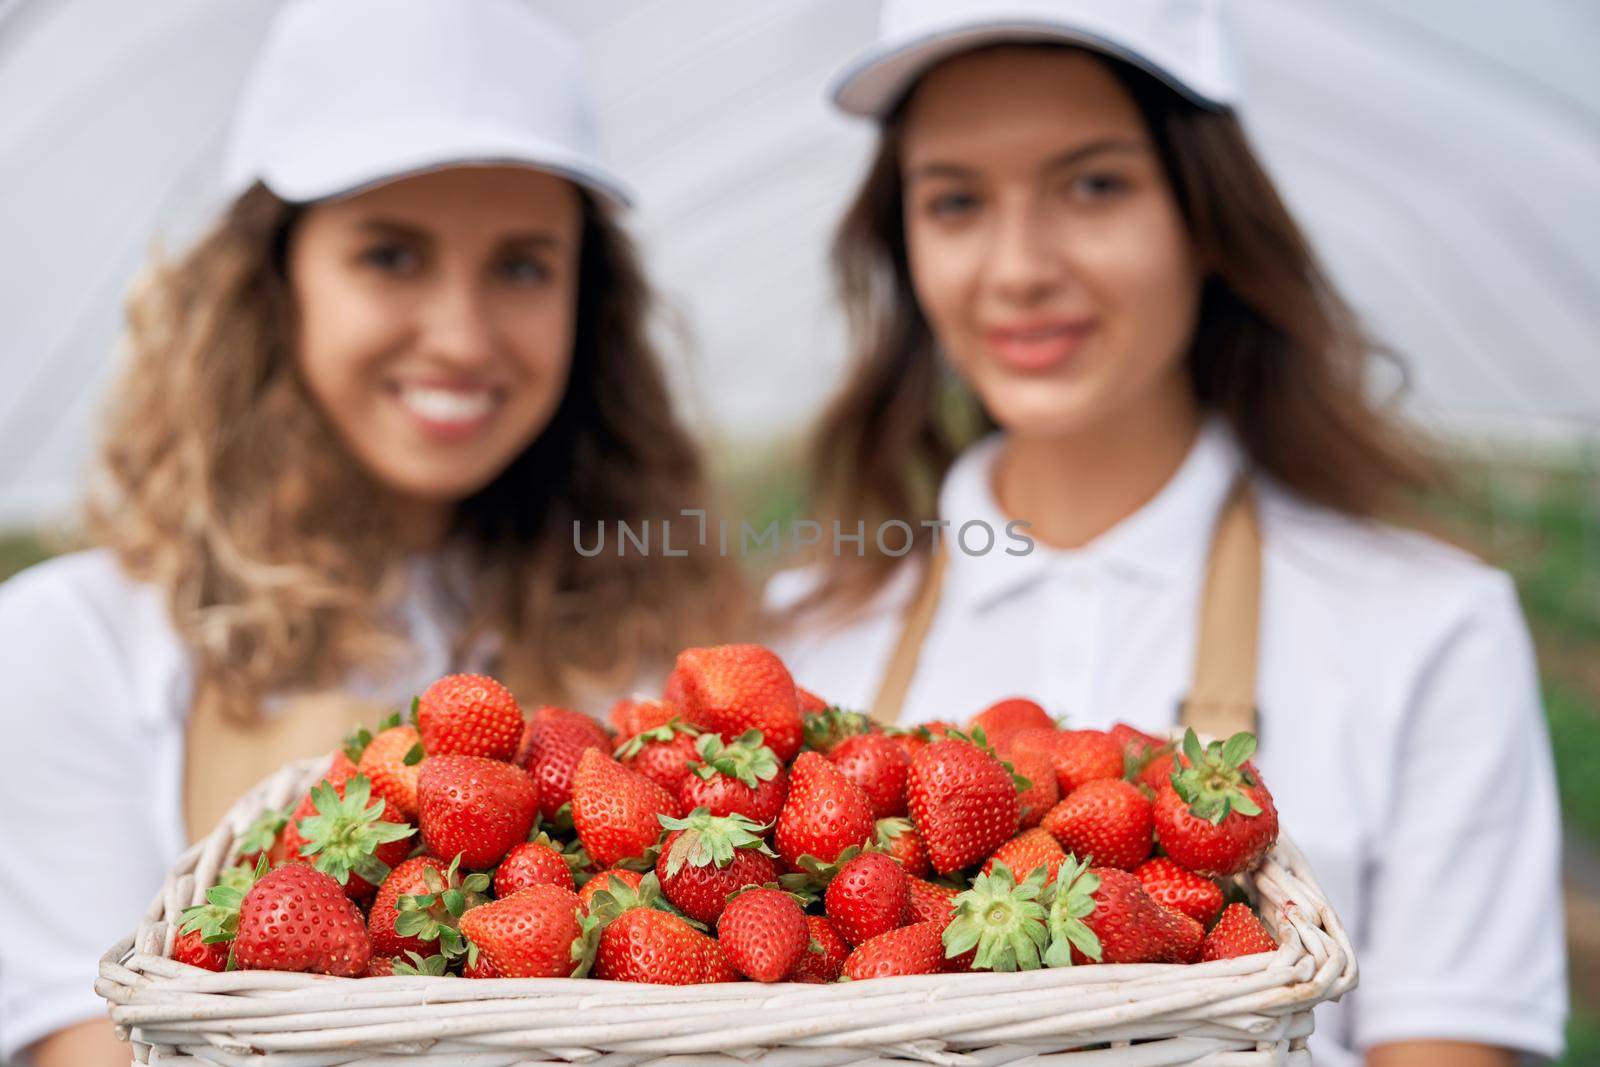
x=876, y=81
x=319, y=169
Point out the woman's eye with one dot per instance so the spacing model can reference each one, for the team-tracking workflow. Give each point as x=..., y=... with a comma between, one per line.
x=524, y=269
x=391, y=259
x=952, y=205
x=1097, y=186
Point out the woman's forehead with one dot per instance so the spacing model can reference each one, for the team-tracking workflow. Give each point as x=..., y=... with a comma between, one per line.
x=506, y=197
x=1015, y=99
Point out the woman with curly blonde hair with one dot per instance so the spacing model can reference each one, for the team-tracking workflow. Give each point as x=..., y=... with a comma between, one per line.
x=362, y=422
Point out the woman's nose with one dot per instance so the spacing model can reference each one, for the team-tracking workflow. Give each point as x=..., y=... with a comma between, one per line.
x=456, y=319
x=1026, y=261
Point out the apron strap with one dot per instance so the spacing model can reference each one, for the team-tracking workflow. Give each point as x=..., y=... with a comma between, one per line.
x=908, y=650
x=1222, y=691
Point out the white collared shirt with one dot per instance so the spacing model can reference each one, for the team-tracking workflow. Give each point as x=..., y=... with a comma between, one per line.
x=1400, y=724
x=97, y=687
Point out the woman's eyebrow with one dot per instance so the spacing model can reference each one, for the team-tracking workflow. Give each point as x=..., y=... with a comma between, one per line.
x=391, y=228
x=1074, y=156
x=1071, y=157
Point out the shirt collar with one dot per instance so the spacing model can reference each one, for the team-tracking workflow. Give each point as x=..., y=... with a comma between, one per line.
x=1163, y=541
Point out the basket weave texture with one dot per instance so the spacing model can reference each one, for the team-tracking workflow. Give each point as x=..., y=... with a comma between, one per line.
x=1247, y=1012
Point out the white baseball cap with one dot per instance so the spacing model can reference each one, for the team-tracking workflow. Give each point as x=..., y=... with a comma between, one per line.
x=347, y=94
x=1181, y=42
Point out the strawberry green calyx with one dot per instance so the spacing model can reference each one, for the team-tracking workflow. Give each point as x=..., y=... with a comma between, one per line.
x=823, y=730
x=262, y=833
x=1212, y=780
x=744, y=758
x=618, y=897
x=662, y=734
x=709, y=840
x=1003, y=920
x=814, y=875
x=347, y=830
x=435, y=966
x=887, y=830
x=217, y=919
x=979, y=738
x=433, y=916
x=1072, y=899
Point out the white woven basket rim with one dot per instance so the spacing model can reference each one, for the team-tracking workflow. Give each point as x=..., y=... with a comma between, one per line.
x=1255, y=1007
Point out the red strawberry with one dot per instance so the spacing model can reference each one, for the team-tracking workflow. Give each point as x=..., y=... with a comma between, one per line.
x=879, y=766
x=384, y=761
x=413, y=913
x=1216, y=816
x=867, y=897
x=191, y=948
x=1042, y=792
x=764, y=933
x=1004, y=718
x=1157, y=773
x=553, y=748
x=481, y=969
x=538, y=862
x=1146, y=759
x=1027, y=852
x=646, y=945
x=809, y=702
x=824, y=957
x=297, y=918
x=900, y=840
x=929, y=901
x=728, y=689
x=1134, y=741
x=1106, y=821
x=1103, y=915
x=616, y=811
x=919, y=737
x=825, y=727
x=1173, y=887
x=825, y=813
x=614, y=880
x=739, y=778
x=380, y=967
x=474, y=807
x=1237, y=933
x=714, y=965
x=705, y=858
x=538, y=932
x=914, y=949
x=469, y=715
x=1000, y=921
x=340, y=769
x=1078, y=756
x=632, y=716
x=964, y=802
x=662, y=754
x=341, y=834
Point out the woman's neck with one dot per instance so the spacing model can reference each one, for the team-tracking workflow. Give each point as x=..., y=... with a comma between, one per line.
x=420, y=525
x=1074, y=488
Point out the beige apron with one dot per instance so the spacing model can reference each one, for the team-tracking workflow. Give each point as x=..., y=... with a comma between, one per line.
x=224, y=757
x=1222, y=691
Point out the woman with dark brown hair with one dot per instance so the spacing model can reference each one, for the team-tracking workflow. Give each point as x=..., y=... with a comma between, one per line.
x=1108, y=443
x=361, y=420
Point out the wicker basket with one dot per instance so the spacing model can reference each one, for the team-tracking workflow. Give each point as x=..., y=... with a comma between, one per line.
x=1245, y=1012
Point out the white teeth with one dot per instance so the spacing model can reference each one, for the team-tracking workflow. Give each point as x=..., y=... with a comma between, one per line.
x=447, y=405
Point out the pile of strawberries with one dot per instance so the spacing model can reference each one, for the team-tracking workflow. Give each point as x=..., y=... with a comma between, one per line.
x=741, y=828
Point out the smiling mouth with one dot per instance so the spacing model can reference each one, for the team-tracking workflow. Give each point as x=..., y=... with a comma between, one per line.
x=447, y=405
x=1040, y=347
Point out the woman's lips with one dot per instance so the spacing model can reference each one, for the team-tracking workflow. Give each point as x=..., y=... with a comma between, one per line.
x=1040, y=345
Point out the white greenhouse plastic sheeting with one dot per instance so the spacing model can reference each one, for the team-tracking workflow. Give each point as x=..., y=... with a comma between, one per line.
x=1444, y=155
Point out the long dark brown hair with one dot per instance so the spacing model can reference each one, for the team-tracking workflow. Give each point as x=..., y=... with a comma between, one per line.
x=1276, y=352
x=222, y=482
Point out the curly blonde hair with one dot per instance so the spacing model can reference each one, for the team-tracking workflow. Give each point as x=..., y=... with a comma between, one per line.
x=221, y=482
